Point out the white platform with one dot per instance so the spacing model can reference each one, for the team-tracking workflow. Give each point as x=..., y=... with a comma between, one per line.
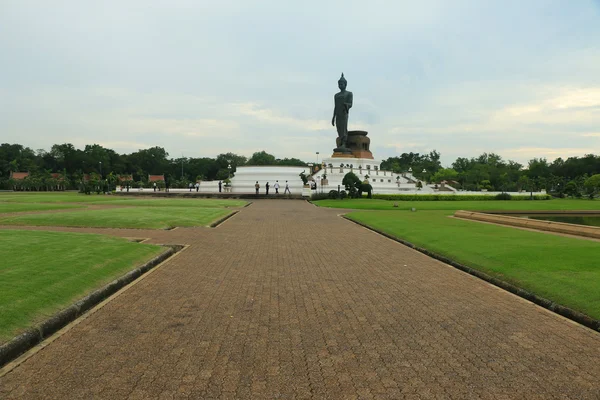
x=245, y=178
x=383, y=182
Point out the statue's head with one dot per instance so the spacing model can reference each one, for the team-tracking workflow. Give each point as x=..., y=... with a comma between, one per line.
x=342, y=82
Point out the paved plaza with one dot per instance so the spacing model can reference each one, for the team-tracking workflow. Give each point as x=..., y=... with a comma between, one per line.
x=286, y=300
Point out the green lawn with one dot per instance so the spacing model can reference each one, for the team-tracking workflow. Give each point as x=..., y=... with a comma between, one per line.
x=488, y=205
x=55, y=197
x=6, y=207
x=125, y=217
x=158, y=202
x=565, y=270
x=43, y=272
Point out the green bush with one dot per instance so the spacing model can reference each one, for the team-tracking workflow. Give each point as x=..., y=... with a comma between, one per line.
x=451, y=197
x=503, y=196
x=322, y=196
x=350, y=181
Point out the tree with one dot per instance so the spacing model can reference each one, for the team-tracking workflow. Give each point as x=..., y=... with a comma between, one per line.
x=538, y=168
x=151, y=161
x=223, y=161
x=592, y=185
x=445, y=174
x=295, y=162
x=572, y=190
x=262, y=158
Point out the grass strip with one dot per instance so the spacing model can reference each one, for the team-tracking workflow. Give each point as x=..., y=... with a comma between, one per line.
x=175, y=202
x=6, y=207
x=43, y=272
x=126, y=217
x=488, y=205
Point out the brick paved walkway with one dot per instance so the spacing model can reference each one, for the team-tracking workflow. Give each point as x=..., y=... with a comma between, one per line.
x=286, y=300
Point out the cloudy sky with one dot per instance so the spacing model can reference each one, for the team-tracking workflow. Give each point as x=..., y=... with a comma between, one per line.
x=517, y=77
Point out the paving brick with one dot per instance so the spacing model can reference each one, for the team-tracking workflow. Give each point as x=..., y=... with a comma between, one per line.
x=286, y=300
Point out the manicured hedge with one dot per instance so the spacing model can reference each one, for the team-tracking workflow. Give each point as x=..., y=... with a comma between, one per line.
x=452, y=197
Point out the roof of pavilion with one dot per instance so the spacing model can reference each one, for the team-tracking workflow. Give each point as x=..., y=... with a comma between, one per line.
x=19, y=175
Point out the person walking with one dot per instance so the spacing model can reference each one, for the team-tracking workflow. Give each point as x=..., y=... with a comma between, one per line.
x=287, y=188
x=190, y=186
x=267, y=188
x=197, y=186
x=154, y=186
x=220, y=184
x=256, y=187
x=276, y=186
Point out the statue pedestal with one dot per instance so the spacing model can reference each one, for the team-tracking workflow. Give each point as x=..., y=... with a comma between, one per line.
x=358, y=146
x=338, y=154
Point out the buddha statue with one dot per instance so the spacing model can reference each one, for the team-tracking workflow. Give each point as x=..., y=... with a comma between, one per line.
x=343, y=103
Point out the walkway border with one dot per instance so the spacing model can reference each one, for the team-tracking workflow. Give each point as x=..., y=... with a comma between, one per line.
x=566, y=312
x=223, y=219
x=546, y=226
x=35, y=335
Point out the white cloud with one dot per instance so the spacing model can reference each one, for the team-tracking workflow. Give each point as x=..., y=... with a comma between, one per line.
x=207, y=77
x=272, y=116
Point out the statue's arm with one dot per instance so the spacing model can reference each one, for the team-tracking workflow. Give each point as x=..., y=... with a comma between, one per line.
x=350, y=99
x=333, y=118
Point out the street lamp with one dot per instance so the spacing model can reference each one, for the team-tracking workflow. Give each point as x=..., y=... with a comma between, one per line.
x=229, y=169
x=101, y=185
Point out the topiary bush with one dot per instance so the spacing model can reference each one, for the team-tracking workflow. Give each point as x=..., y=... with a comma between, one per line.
x=350, y=181
x=503, y=196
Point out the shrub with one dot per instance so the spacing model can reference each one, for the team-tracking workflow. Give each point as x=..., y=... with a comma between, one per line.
x=450, y=197
x=350, y=180
x=503, y=196
x=322, y=196
x=333, y=194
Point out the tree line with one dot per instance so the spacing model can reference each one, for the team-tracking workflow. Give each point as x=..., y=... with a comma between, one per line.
x=574, y=177
x=65, y=167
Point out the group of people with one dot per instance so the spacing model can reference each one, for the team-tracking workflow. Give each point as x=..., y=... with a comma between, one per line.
x=275, y=186
x=197, y=186
x=192, y=186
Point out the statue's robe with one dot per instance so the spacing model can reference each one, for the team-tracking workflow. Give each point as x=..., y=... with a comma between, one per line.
x=343, y=103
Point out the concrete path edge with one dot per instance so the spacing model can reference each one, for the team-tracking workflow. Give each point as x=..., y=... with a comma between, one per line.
x=566, y=312
x=35, y=335
x=223, y=219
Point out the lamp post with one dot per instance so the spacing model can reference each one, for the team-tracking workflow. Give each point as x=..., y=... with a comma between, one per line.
x=229, y=170
x=424, y=176
x=101, y=185
x=182, y=166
